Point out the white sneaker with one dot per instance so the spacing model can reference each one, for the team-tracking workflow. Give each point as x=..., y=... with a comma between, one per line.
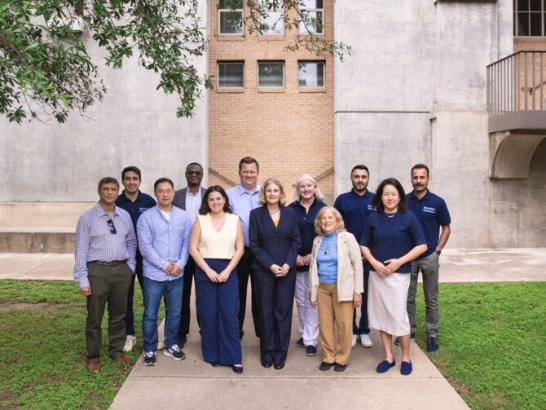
x=355, y=339
x=129, y=343
x=365, y=340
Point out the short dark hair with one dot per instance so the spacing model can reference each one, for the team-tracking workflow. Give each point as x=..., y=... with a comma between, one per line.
x=420, y=166
x=107, y=180
x=192, y=164
x=249, y=160
x=361, y=167
x=131, y=168
x=377, y=203
x=205, y=209
x=161, y=180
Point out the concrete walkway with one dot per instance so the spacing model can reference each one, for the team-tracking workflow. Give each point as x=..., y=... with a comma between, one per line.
x=300, y=385
x=457, y=265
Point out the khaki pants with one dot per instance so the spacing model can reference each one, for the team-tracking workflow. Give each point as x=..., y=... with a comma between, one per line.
x=335, y=325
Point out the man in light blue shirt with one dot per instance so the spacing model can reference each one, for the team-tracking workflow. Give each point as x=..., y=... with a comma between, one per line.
x=244, y=198
x=163, y=238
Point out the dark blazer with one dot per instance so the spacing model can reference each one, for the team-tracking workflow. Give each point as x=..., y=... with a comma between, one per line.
x=180, y=197
x=270, y=244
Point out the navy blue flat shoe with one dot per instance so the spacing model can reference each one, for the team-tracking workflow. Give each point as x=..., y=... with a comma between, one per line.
x=384, y=366
x=406, y=368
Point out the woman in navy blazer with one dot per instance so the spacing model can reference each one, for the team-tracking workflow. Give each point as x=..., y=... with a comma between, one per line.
x=274, y=240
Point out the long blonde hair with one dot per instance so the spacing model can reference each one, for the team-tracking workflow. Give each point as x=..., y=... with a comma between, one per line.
x=307, y=177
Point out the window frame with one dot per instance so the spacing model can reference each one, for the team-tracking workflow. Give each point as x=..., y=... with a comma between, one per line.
x=305, y=32
x=313, y=87
x=528, y=14
x=280, y=21
x=276, y=87
x=230, y=62
x=229, y=10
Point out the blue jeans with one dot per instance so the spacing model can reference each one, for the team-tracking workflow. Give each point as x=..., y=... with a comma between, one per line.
x=154, y=291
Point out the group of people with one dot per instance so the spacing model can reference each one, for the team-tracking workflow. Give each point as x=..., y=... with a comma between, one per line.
x=350, y=267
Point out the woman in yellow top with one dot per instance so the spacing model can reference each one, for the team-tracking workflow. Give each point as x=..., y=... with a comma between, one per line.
x=216, y=245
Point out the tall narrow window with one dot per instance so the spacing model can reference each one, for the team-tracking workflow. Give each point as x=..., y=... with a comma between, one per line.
x=311, y=74
x=271, y=73
x=230, y=74
x=230, y=17
x=529, y=18
x=313, y=17
x=272, y=24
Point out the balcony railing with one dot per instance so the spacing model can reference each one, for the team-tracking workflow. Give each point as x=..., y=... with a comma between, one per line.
x=516, y=94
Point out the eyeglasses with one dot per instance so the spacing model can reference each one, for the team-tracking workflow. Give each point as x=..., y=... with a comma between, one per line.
x=112, y=227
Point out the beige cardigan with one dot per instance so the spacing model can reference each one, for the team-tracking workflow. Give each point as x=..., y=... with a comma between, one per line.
x=350, y=276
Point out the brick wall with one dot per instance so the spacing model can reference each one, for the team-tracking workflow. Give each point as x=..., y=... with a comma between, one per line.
x=290, y=130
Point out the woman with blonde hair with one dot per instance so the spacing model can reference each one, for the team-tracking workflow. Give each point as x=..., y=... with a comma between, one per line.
x=336, y=279
x=308, y=200
x=274, y=241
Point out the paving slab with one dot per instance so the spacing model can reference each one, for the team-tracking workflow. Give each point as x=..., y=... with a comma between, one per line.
x=192, y=383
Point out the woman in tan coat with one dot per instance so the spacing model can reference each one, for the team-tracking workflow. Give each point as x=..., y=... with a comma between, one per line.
x=336, y=280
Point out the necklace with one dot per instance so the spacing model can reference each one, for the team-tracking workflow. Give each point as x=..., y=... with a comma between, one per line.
x=273, y=212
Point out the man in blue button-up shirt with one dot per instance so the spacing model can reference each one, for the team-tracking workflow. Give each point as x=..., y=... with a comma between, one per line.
x=244, y=198
x=163, y=239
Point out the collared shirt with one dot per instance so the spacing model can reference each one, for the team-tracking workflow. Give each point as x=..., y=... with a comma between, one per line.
x=193, y=203
x=307, y=224
x=162, y=241
x=431, y=211
x=241, y=203
x=96, y=242
x=135, y=208
x=354, y=209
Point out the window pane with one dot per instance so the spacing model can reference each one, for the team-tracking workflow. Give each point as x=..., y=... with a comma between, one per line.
x=230, y=4
x=536, y=24
x=523, y=5
x=536, y=5
x=230, y=74
x=523, y=24
x=271, y=74
x=311, y=4
x=231, y=22
x=314, y=24
x=311, y=74
x=273, y=24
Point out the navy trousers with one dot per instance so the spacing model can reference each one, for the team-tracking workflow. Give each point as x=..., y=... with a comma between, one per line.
x=218, y=309
x=275, y=298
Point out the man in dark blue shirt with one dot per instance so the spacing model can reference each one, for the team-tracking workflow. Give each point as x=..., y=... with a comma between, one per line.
x=135, y=203
x=354, y=206
x=432, y=213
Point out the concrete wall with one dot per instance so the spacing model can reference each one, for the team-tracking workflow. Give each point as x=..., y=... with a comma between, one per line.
x=421, y=96
x=133, y=125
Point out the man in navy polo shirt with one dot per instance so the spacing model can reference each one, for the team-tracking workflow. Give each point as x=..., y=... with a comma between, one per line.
x=354, y=206
x=432, y=213
x=135, y=203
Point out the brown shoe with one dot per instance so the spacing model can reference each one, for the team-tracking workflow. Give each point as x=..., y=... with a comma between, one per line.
x=121, y=359
x=93, y=367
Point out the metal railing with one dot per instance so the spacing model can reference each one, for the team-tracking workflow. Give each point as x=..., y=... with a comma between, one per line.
x=516, y=83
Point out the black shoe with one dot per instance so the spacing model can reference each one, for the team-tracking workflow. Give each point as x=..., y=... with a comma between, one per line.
x=432, y=345
x=278, y=365
x=310, y=350
x=175, y=352
x=339, y=367
x=237, y=368
x=299, y=342
x=214, y=364
x=266, y=364
x=149, y=359
x=324, y=366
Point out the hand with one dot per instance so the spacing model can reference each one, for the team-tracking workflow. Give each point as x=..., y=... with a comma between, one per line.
x=313, y=304
x=170, y=268
x=380, y=268
x=357, y=299
x=300, y=261
x=223, y=276
x=213, y=276
x=85, y=291
x=284, y=270
x=275, y=269
x=307, y=259
x=393, y=265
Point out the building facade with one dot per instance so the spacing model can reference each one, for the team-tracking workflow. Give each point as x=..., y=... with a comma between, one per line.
x=444, y=82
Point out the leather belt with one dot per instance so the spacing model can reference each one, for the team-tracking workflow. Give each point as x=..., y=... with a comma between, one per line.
x=113, y=263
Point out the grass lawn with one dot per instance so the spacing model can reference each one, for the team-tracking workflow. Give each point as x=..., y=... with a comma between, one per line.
x=492, y=346
x=492, y=343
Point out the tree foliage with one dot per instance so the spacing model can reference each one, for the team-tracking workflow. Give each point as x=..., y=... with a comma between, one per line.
x=46, y=70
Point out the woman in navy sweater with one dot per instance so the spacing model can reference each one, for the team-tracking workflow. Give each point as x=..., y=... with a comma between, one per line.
x=274, y=239
x=391, y=239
